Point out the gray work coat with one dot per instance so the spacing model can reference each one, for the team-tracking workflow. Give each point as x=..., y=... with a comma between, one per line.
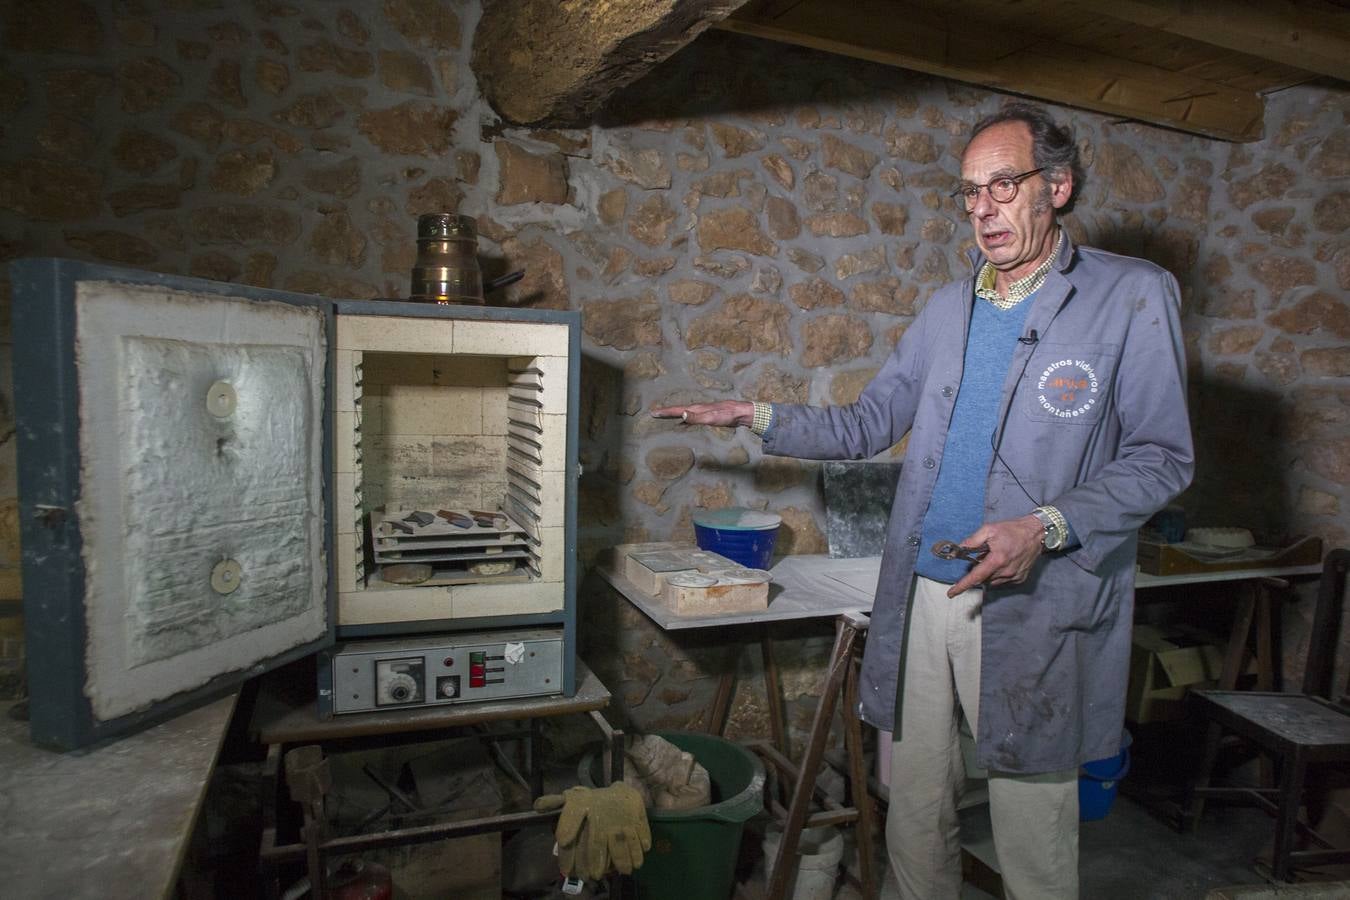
x=1092, y=421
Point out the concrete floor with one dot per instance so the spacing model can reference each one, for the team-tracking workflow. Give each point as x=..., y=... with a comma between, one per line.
x=1133, y=853
x=1129, y=855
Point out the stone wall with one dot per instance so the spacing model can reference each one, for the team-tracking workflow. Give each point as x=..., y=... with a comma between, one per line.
x=749, y=219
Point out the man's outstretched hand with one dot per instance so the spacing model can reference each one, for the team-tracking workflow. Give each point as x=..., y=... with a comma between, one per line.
x=726, y=413
x=1014, y=545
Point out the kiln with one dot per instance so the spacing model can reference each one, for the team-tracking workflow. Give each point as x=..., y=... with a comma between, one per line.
x=214, y=480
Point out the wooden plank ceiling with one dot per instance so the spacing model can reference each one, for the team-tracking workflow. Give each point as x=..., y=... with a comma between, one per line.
x=1200, y=66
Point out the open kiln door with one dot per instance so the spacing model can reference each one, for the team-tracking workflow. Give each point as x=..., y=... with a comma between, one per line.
x=172, y=445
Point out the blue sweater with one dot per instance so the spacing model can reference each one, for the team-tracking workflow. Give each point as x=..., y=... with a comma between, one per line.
x=957, y=507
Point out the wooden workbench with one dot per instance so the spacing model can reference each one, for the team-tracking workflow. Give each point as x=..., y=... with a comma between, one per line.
x=111, y=821
x=286, y=715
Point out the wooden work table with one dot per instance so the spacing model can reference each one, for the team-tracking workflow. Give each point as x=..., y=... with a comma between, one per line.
x=286, y=715
x=806, y=587
x=111, y=821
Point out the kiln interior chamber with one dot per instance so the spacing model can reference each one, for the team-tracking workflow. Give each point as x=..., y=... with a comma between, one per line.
x=456, y=464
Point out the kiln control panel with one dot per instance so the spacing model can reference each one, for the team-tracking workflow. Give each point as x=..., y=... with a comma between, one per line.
x=451, y=668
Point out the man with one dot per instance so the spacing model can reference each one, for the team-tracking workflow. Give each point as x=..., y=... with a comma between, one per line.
x=1046, y=404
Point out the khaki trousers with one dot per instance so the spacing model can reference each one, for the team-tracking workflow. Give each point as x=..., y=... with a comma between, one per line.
x=1035, y=818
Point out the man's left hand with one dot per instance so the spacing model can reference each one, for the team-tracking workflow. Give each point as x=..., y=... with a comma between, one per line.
x=1014, y=545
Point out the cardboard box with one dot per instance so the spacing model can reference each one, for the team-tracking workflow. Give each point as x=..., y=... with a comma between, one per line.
x=1165, y=663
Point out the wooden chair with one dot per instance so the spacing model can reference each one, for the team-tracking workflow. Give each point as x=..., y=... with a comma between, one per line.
x=1298, y=730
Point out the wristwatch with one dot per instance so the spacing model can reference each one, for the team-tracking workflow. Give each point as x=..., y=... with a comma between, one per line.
x=1056, y=529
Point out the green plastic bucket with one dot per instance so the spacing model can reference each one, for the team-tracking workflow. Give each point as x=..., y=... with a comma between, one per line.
x=694, y=851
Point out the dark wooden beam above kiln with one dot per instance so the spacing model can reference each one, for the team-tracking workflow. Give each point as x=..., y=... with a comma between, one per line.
x=1009, y=47
x=546, y=62
x=1313, y=35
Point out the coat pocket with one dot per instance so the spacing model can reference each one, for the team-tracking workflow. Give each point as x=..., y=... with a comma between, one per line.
x=1068, y=383
x=1081, y=601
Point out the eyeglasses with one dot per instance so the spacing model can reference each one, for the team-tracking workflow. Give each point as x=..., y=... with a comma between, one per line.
x=1003, y=189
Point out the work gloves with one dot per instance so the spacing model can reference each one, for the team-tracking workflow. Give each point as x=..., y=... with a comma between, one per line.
x=599, y=828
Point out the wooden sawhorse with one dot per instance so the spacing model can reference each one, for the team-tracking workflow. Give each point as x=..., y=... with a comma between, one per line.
x=841, y=678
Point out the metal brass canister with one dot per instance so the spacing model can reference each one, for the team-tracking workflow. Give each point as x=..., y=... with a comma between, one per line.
x=446, y=270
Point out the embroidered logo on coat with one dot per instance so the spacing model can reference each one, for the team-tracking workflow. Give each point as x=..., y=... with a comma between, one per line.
x=1068, y=388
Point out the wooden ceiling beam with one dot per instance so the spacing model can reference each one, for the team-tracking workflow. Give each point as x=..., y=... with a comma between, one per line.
x=545, y=62
x=1313, y=35
x=914, y=36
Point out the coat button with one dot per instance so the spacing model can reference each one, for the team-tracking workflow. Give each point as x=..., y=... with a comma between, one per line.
x=912, y=540
x=928, y=462
x=947, y=390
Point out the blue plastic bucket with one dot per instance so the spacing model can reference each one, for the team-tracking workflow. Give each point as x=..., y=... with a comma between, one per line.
x=746, y=536
x=1099, y=780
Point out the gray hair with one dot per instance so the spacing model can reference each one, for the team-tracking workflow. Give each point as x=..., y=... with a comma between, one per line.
x=1052, y=145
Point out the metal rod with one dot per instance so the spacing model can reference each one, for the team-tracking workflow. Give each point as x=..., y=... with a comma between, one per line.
x=418, y=835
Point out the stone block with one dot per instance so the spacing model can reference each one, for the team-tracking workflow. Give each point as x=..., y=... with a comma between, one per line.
x=346, y=502
x=552, y=555
x=426, y=409
x=495, y=409
x=389, y=604
x=394, y=334
x=502, y=338
x=348, y=552
x=345, y=439
x=507, y=599
x=549, y=374
x=554, y=441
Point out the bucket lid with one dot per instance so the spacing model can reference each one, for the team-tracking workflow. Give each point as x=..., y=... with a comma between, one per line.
x=738, y=518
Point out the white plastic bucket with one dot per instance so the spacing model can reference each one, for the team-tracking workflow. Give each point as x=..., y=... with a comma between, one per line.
x=821, y=850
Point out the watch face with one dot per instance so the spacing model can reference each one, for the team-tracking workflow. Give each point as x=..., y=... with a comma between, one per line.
x=1051, y=536
x=1054, y=537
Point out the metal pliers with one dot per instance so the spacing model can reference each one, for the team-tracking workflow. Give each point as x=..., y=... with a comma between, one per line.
x=953, y=550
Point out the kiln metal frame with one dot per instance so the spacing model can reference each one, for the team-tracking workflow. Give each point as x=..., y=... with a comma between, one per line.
x=46, y=389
